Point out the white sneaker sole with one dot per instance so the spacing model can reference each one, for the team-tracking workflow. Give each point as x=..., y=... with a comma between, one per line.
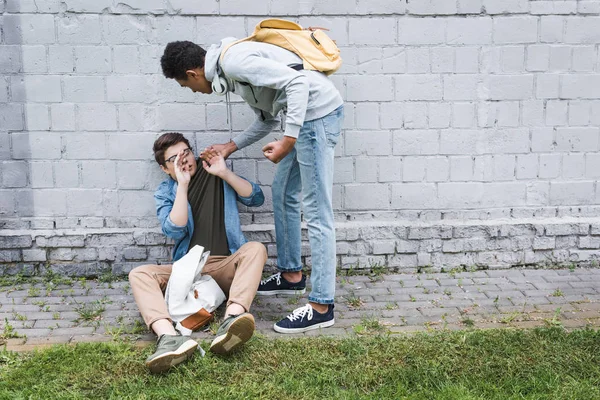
x=239, y=332
x=325, y=324
x=288, y=292
x=172, y=358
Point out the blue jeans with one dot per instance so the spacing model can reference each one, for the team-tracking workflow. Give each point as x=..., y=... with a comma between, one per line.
x=309, y=169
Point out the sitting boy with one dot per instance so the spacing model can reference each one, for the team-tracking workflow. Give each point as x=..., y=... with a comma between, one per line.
x=196, y=205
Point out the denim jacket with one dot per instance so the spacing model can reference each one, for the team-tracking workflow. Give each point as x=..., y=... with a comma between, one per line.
x=165, y=198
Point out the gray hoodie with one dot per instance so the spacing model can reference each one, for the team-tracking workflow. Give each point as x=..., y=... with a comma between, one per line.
x=260, y=73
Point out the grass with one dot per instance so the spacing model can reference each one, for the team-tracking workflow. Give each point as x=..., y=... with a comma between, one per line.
x=544, y=363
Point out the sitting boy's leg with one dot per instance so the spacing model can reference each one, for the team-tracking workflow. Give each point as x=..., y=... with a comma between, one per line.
x=239, y=276
x=148, y=283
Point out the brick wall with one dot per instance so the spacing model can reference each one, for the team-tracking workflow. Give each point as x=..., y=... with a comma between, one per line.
x=480, y=113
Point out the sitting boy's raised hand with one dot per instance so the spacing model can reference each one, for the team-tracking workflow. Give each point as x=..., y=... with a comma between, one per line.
x=214, y=163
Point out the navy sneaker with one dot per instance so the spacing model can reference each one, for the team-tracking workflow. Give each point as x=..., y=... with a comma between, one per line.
x=305, y=319
x=276, y=284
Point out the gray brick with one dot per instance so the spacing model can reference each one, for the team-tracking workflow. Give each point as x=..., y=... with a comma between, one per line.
x=14, y=174
x=36, y=88
x=28, y=28
x=34, y=255
x=11, y=116
x=60, y=241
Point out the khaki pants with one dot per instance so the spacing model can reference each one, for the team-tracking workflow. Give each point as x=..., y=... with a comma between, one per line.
x=238, y=275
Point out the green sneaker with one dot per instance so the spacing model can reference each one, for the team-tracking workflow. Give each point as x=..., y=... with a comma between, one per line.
x=170, y=351
x=233, y=332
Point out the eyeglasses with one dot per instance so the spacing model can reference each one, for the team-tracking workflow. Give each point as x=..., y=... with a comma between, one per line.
x=172, y=158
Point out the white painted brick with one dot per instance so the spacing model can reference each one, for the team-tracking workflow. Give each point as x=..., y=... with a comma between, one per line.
x=584, y=58
x=369, y=60
x=10, y=59
x=370, y=88
x=573, y=166
x=86, y=6
x=213, y=29
x=417, y=60
x=173, y=117
x=79, y=29
x=81, y=146
x=137, y=117
x=84, y=203
x=508, y=114
x=527, y=166
x=577, y=139
x=42, y=203
x=36, y=145
x=377, y=7
x=538, y=193
x=32, y=6
x=62, y=117
x=28, y=29
x=415, y=196
x=171, y=92
x=80, y=89
x=372, y=143
x=14, y=174
x=580, y=30
x=11, y=116
x=92, y=59
x=367, y=115
x=560, y=58
x=34, y=59
x=136, y=203
x=413, y=169
x=483, y=168
x=515, y=30
x=461, y=87
x=510, y=87
x=439, y=115
x=366, y=170
x=390, y=169
x=547, y=86
x=467, y=60
x=538, y=57
x=394, y=60
x=419, y=87
x=417, y=31
x=98, y=174
x=37, y=117
x=588, y=7
x=367, y=197
x=170, y=29
x=463, y=115
x=392, y=115
x=442, y=59
x=432, y=7
x=342, y=173
x=592, y=165
x=134, y=174
x=66, y=174
x=580, y=86
x=131, y=146
x=466, y=195
x=60, y=59
x=150, y=59
x=131, y=88
x=595, y=113
x=413, y=142
x=96, y=117
x=550, y=165
x=241, y=7
x=469, y=6
x=337, y=27
x=469, y=31
x=491, y=59
x=206, y=7
x=126, y=59
x=551, y=29
x=437, y=169
x=532, y=113
x=3, y=90
x=415, y=115
x=372, y=30
x=126, y=29
x=465, y=141
x=461, y=168
x=512, y=58
x=579, y=113
x=504, y=167
x=571, y=193
x=36, y=88
x=556, y=112
x=41, y=174
x=506, y=6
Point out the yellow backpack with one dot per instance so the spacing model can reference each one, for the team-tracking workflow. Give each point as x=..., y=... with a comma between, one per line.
x=317, y=50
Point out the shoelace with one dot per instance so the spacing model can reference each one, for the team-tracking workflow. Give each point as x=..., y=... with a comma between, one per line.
x=277, y=276
x=301, y=312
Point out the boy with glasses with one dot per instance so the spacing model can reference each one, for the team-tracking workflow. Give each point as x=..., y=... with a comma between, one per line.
x=197, y=205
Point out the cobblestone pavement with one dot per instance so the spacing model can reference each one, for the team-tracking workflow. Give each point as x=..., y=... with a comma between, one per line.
x=35, y=315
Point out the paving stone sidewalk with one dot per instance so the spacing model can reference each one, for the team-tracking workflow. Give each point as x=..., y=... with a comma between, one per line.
x=36, y=315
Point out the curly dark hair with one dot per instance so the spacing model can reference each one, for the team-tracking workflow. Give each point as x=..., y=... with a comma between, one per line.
x=165, y=141
x=180, y=57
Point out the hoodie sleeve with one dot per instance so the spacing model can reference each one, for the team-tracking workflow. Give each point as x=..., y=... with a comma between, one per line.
x=261, y=127
x=260, y=71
